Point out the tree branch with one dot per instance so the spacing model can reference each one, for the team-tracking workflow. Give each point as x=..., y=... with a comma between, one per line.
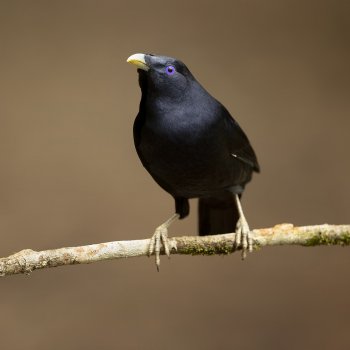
x=29, y=260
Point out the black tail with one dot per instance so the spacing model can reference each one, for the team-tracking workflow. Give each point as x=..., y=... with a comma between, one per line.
x=217, y=214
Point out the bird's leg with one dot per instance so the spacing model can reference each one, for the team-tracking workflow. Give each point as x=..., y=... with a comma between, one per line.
x=161, y=235
x=243, y=233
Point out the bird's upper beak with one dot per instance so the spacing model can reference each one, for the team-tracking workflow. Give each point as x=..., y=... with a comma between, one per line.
x=138, y=59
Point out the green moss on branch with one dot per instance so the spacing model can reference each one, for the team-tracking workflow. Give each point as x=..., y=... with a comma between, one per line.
x=326, y=239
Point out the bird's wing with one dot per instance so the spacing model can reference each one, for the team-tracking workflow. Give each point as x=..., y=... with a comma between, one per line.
x=239, y=144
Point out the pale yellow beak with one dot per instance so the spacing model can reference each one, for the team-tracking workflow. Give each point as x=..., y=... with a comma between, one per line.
x=138, y=59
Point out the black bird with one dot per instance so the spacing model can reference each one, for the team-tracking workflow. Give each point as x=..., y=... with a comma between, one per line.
x=193, y=148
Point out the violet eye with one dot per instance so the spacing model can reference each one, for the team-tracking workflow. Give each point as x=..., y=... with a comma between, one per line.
x=170, y=70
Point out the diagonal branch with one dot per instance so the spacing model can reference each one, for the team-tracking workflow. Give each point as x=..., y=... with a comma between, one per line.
x=28, y=260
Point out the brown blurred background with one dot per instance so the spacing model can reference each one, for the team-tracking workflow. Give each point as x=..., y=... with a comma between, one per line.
x=70, y=175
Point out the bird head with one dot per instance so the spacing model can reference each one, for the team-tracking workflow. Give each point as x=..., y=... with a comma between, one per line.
x=161, y=75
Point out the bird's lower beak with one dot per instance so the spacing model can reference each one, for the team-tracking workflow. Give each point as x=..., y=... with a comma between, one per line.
x=138, y=59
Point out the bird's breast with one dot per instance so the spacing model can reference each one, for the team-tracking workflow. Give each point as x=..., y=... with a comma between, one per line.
x=186, y=157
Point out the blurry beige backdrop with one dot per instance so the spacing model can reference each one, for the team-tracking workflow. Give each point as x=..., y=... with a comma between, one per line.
x=70, y=175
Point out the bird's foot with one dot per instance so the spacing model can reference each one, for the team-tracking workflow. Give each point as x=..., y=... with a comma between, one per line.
x=244, y=237
x=159, y=236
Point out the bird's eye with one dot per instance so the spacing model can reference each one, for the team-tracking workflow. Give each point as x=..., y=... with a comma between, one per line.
x=170, y=70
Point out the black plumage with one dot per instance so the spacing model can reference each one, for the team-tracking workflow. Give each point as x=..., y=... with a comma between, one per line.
x=192, y=147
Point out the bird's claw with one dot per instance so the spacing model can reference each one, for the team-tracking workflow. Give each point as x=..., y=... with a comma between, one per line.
x=244, y=238
x=159, y=237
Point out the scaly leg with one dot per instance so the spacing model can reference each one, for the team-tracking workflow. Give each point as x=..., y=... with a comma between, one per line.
x=243, y=234
x=161, y=236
